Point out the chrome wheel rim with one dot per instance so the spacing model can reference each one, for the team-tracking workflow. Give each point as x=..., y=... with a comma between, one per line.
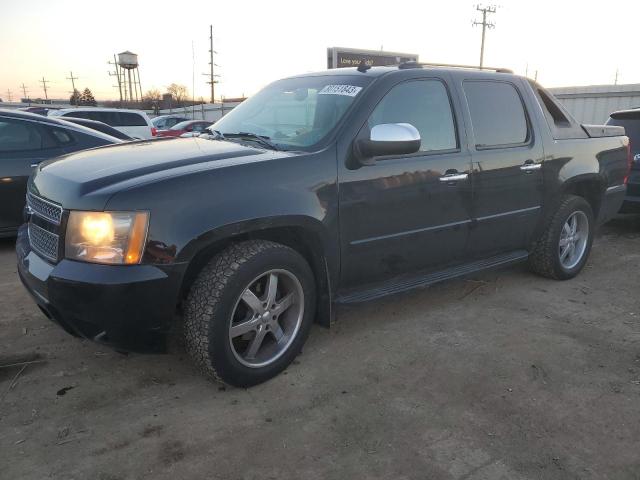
x=266, y=318
x=573, y=239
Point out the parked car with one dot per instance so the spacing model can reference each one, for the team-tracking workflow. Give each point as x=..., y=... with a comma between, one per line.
x=99, y=126
x=323, y=189
x=37, y=109
x=189, y=126
x=630, y=120
x=134, y=123
x=165, y=122
x=27, y=139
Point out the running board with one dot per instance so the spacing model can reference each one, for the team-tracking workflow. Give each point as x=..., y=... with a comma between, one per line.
x=404, y=284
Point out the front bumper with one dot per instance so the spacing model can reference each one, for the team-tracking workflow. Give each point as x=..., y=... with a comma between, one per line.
x=128, y=307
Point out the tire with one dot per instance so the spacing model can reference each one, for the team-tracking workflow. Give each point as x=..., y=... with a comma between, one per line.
x=231, y=291
x=545, y=258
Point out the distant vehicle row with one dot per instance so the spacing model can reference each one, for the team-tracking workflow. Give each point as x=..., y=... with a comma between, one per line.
x=134, y=123
x=26, y=140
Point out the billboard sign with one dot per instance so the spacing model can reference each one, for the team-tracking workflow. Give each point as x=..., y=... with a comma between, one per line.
x=338, y=57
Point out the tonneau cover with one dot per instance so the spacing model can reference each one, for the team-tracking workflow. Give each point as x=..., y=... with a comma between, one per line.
x=597, y=131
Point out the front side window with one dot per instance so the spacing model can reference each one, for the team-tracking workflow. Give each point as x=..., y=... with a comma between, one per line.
x=497, y=114
x=17, y=135
x=296, y=112
x=425, y=105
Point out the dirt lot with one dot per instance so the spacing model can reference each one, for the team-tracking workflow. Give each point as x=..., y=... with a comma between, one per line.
x=502, y=376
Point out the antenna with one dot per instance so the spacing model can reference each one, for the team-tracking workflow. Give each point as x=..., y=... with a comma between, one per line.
x=485, y=25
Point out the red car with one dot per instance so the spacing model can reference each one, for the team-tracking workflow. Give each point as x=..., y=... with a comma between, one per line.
x=188, y=126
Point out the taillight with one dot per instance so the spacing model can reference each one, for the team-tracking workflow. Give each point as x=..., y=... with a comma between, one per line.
x=154, y=131
x=629, y=162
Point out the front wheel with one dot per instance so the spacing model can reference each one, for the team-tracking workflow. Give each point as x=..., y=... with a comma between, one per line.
x=249, y=312
x=563, y=249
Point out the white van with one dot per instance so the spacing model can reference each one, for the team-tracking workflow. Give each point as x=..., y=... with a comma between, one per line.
x=134, y=123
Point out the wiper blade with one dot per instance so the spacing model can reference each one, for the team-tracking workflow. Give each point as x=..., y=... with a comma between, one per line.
x=215, y=133
x=261, y=139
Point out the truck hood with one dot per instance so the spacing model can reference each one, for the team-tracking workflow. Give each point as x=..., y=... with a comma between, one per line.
x=87, y=179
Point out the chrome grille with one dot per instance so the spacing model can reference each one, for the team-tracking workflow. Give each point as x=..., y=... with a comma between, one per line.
x=43, y=242
x=44, y=208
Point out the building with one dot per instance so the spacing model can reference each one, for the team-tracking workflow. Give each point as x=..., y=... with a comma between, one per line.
x=593, y=104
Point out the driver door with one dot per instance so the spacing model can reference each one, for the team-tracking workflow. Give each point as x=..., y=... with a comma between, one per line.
x=401, y=214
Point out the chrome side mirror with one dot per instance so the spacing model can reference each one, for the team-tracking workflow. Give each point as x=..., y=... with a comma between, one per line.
x=388, y=139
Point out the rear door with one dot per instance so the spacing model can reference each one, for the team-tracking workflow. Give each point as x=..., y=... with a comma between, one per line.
x=507, y=166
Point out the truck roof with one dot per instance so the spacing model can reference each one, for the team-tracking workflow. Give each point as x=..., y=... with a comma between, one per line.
x=379, y=71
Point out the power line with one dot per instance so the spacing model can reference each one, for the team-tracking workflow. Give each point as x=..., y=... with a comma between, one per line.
x=73, y=83
x=485, y=25
x=44, y=85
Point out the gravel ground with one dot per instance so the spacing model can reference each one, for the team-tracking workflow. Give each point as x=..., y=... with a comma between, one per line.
x=504, y=375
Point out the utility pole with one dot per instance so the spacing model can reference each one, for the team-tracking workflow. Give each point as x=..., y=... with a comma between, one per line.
x=44, y=85
x=9, y=94
x=485, y=25
x=212, y=77
x=117, y=75
x=24, y=91
x=73, y=83
x=616, y=80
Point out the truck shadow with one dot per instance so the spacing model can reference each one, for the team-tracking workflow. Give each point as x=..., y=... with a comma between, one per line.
x=622, y=225
x=7, y=244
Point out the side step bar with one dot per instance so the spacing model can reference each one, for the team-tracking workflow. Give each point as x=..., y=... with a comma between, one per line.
x=404, y=284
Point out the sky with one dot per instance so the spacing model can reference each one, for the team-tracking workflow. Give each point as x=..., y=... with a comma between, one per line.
x=566, y=42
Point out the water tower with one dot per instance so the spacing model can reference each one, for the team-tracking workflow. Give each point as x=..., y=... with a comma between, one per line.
x=129, y=75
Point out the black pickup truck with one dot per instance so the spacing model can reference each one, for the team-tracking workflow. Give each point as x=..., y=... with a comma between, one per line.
x=327, y=188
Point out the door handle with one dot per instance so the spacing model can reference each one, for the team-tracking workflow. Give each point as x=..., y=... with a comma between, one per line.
x=529, y=166
x=454, y=177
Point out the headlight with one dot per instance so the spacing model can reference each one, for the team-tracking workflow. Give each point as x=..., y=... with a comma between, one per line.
x=106, y=237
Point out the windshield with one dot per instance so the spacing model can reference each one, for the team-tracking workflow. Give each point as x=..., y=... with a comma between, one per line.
x=296, y=112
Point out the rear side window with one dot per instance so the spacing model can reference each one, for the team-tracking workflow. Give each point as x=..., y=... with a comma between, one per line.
x=62, y=137
x=497, y=114
x=78, y=114
x=425, y=105
x=128, y=119
x=17, y=136
x=115, y=119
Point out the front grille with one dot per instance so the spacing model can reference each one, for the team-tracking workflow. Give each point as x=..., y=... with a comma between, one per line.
x=43, y=242
x=44, y=226
x=44, y=208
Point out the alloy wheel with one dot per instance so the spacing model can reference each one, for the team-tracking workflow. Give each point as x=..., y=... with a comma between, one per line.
x=266, y=318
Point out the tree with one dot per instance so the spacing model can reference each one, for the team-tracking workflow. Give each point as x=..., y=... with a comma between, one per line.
x=178, y=92
x=87, y=98
x=151, y=99
x=75, y=97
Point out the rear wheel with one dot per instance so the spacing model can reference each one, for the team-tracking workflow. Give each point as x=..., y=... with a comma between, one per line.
x=564, y=247
x=249, y=312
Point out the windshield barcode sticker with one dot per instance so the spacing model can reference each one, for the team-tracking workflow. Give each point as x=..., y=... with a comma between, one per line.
x=348, y=90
